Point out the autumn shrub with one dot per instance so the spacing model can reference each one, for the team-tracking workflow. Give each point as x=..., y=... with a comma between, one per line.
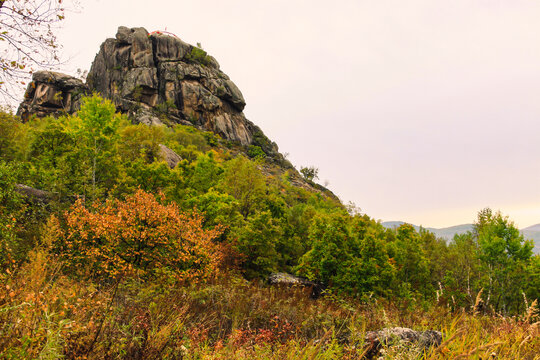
x=138, y=236
x=37, y=307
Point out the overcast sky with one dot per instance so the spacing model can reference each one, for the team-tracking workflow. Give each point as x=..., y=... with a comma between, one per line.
x=421, y=111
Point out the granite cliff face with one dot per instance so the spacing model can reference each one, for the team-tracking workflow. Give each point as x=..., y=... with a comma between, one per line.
x=155, y=79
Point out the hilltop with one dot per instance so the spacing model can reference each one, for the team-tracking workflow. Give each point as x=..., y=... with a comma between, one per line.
x=158, y=79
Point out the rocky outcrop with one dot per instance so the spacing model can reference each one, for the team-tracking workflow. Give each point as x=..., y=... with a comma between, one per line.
x=420, y=340
x=155, y=79
x=160, y=78
x=51, y=93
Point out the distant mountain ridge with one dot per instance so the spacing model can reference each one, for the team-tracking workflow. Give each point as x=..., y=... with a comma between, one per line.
x=530, y=233
x=532, y=228
x=533, y=233
x=446, y=233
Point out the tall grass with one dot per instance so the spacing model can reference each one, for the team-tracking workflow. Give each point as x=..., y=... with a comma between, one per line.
x=45, y=314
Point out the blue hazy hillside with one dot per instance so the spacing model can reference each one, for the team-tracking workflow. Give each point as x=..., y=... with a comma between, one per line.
x=531, y=232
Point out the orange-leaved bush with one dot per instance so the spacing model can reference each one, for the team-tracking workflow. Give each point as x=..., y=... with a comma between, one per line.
x=138, y=236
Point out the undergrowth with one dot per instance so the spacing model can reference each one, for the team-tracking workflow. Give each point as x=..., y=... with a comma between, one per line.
x=46, y=314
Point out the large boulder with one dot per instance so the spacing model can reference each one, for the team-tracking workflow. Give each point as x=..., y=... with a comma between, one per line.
x=162, y=75
x=35, y=195
x=51, y=93
x=288, y=280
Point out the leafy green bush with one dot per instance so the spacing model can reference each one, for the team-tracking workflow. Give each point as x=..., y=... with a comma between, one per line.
x=255, y=152
x=310, y=173
x=348, y=254
x=243, y=180
x=11, y=131
x=198, y=55
x=185, y=136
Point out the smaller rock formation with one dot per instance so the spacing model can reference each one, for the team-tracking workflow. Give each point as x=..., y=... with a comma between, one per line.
x=376, y=340
x=52, y=93
x=34, y=195
x=288, y=280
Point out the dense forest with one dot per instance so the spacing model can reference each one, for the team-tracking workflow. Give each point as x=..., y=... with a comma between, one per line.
x=110, y=251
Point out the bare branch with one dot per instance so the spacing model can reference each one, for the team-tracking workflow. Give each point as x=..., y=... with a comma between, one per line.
x=27, y=40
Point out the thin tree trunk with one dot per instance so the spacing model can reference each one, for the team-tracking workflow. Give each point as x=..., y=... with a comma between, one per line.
x=94, y=170
x=94, y=176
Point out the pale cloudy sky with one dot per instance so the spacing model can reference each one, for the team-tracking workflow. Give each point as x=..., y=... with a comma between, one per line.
x=422, y=111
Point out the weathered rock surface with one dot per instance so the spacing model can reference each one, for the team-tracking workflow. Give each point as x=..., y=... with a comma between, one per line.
x=52, y=93
x=157, y=76
x=376, y=340
x=33, y=194
x=171, y=158
x=284, y=279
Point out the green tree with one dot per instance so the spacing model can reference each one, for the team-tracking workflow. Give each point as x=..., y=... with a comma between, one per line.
x=141, y=142
x=218, y=208
x=153, y=177
x=257, y=241
x=11, y=208
x=50, y=156
x=310, y=173
x=505, y=254
x=413, y=267
x=436, y=254
x=243, y=180
x=96, y=129
x=533, y=280
x=463, y=277
x=204, y=173
x=349, y=254
x=10, y=131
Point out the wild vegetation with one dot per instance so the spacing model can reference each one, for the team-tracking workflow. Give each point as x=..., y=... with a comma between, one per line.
x=130, y=258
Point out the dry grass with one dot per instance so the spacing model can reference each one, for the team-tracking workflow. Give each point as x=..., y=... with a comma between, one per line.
x=45, y=314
